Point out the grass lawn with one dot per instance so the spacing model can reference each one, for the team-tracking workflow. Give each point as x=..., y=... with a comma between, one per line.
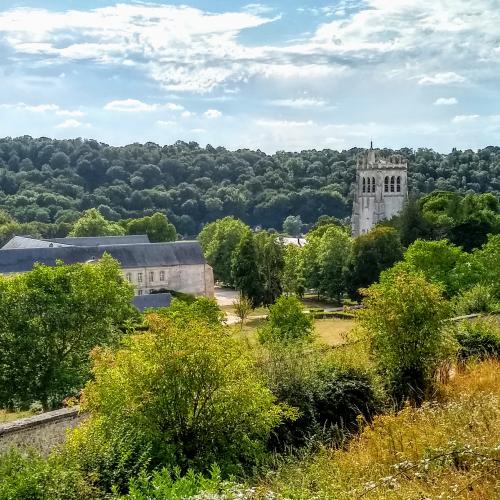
x=333, y=331
x=8, y=416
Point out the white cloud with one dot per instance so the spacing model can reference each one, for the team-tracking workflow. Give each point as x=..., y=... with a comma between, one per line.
x=187, y=114
x=258, y=8
x=301, y=102
x=441, y=79
x=130, y=106
x=465, y=118
x=43, y=108
x=72, y=123
x=445, y=101
x=212, y=113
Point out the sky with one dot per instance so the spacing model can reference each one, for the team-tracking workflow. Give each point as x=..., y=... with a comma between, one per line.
x=279, y=75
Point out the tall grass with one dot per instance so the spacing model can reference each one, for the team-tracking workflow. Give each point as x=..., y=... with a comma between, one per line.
x=448, y=448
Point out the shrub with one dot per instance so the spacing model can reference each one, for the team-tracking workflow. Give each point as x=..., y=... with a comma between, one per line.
x=478, y=339
x=403, y=317
x=477, y=299
x=329, y=397
x=30, y=476
x=200, y=308
x=185, y=394
x=287, y=322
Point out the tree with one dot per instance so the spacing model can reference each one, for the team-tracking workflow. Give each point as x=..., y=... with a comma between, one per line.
x=242, y=308
x=271, y=264
x=245, y=270
x=219, y=240
x=287, y=322
x=51, y=317
x=293, y=271
x=403, y=317
x=333, y=254
x=92, y=223
x=436, y=260
x=184, y=394
x=292, y=225
x=411, y=223
x=371, y=253
x=157, y=227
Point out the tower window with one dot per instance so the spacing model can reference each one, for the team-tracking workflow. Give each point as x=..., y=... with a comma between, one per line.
x=368, y=189
x=392, y=184
x=373, y=184
x=398, y=184
x=364, y=185
x=386, y=184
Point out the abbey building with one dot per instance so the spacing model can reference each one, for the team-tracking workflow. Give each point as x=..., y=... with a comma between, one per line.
x=381, y=189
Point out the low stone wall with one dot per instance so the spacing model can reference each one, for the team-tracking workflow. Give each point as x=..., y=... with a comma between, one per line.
x=41, y=432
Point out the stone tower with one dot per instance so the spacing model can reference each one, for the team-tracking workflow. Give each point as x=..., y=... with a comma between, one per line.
x=381, y=189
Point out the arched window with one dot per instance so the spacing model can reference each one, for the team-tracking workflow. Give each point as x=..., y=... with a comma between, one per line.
x=392, y=184
x=398, y=184
x=386, y=184
x=364, y=185
x=373, y=184
x=368, y=185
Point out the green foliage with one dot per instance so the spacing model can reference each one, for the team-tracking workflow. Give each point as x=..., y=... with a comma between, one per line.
x=26, y=476
x=163, y=485
x=436, y=260
x=293, y=270
x=199, y=308
x=479, y=339
x=219, y=241
x=157, y=227
x=270, y=263
x=328, y=396
x=292, y=225
x=184, y=394
x=92, y=223
x=245, y=270
x=477, y=299
x=242, y=308
x=371, y=254
x=51, y=317
x=333, y=254
x=287, y=322
x=403, y=318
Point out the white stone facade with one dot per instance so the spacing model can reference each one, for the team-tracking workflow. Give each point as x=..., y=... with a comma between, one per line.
x=381, y=189
x=194, y=279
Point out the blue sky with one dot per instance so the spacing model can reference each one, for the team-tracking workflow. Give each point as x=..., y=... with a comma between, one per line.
x=276, y=75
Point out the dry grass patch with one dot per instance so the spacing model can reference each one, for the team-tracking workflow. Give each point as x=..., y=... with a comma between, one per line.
x=10, y=416
x=448, y=449
x=334, y=331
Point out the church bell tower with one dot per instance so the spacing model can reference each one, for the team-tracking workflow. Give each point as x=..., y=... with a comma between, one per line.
x=381, y=189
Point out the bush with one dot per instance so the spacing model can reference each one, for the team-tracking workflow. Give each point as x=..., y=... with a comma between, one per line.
x=200, y=308
x=403, y=318
x=185, y=394
x=30, y=476
x=287, y=322
x=477, y=299
x=478, y=339
x=329, y=397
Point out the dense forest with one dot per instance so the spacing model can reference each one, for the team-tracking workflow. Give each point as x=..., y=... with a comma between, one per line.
x=53, y=181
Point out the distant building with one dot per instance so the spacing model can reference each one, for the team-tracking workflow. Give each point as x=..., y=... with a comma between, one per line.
x=381, y=189
x=151, y=267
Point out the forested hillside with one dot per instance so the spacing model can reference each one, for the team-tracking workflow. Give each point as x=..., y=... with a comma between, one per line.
x=49, y=180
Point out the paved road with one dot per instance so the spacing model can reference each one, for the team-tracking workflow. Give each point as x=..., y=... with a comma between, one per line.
x=225, y=296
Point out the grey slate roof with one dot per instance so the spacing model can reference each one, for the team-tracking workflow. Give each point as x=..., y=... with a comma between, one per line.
x=29, y=242
x=152, y=301
x=129, y=256
x=94, y=241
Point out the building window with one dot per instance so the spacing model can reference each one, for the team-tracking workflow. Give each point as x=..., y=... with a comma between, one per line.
x=392, y=184
x=373, y=184
x=139, y=277
x=386, y=184
x=369, y=186
x=128, y=276
x=139, y=292
x=151, y=276
x=398, y=184
x=364, y=185
x=162, y=275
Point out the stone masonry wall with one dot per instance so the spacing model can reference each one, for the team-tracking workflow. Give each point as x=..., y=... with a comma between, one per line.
x=41, y=432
